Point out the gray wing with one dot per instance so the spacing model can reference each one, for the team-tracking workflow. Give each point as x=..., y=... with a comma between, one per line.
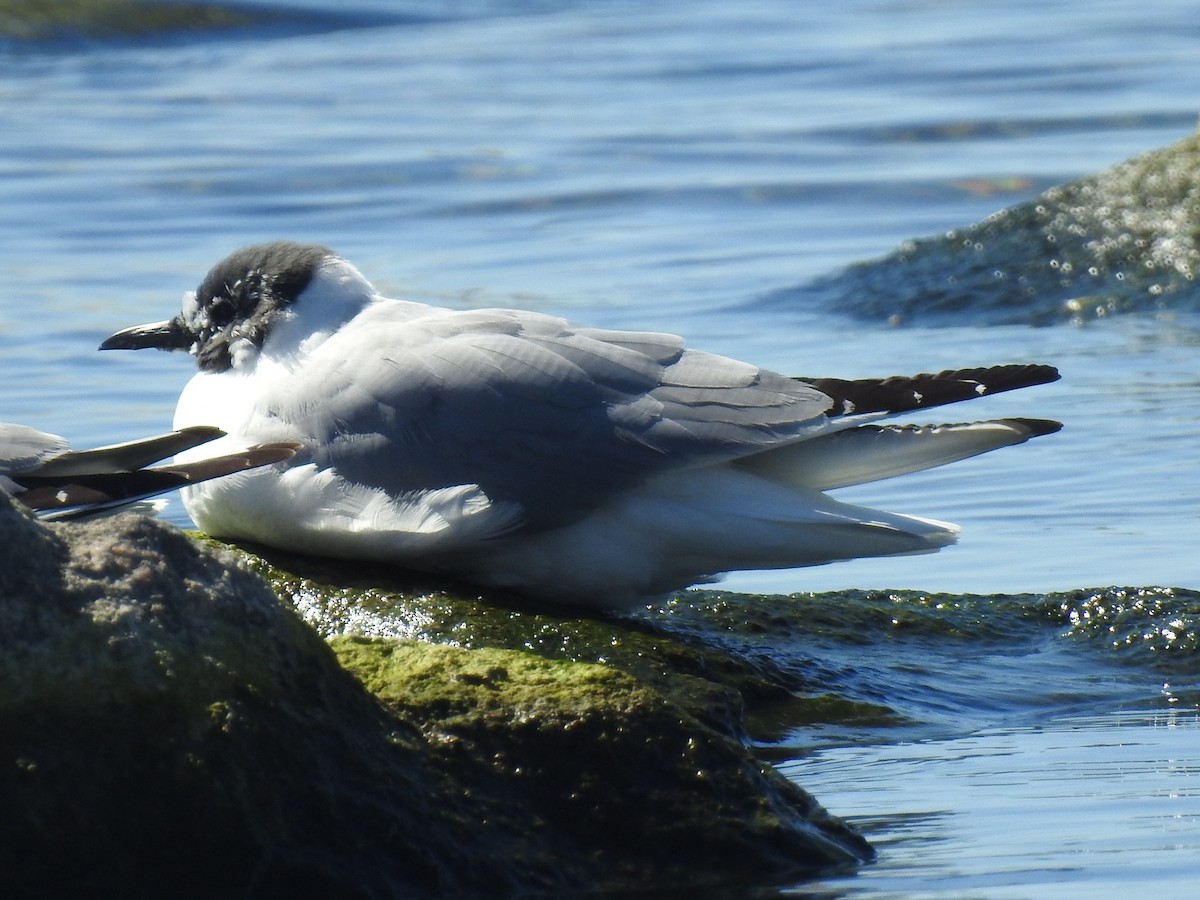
x=23, y=448
x=552, y=417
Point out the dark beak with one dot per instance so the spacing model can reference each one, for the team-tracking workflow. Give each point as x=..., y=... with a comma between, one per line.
x=168, y=335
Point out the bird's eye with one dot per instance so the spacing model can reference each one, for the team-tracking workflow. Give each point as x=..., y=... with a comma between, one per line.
x=220, y=310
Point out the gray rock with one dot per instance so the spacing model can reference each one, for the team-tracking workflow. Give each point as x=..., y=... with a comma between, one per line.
x=168, y=726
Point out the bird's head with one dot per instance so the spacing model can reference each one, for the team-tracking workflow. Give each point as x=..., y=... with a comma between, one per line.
x=245, y=297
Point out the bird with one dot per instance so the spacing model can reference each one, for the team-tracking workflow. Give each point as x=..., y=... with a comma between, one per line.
x=515, y=450
x=42, y=472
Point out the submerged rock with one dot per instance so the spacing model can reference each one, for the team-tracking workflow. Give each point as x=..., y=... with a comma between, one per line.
x=168, y=725
x=1156, y=627
x=1125, y=239
x=98, y=19
x=70, y=23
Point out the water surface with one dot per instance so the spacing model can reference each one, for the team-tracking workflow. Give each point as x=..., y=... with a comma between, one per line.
x=675, y=165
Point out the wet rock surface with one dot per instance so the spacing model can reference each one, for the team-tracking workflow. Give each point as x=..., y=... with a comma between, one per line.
x=1123, y=240
x=167, y=724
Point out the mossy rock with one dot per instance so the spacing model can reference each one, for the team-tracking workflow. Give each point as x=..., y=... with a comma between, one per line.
x=1123, y=240
x=616, y=782
x=693, y=649
x=168, y=726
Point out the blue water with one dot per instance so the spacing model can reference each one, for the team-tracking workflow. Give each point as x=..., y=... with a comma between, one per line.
x=1013, y=815
x=664, y=165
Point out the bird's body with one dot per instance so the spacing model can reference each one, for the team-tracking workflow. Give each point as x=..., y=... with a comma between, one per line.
x=41, y=470
x=518, y=450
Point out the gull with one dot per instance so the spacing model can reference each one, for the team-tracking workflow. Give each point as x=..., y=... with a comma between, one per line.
x=45, y=475
x=513, y=449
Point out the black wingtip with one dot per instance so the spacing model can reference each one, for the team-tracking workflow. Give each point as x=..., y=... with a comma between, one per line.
x=997, y=379
x=904, y=393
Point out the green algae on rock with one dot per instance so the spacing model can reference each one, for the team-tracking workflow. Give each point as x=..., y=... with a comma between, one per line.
x=610, y=771
x=374, y=600
x=1125, y=239
x=168, y=726
x=1158, y=627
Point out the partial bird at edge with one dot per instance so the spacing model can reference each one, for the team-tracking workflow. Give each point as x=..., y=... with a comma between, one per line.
x=57, y=483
